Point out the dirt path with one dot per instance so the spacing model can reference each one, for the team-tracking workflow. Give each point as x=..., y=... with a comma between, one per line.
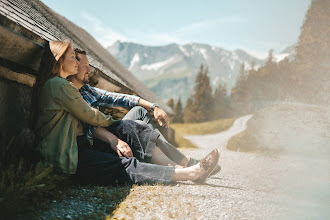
x=266, y=186
x=220, y=140
x=249, y=186
x=244, y=189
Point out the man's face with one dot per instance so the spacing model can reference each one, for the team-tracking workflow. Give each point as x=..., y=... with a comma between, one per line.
x=83, y=69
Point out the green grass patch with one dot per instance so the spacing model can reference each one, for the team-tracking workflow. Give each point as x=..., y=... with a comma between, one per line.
x=27, y=190
x=209, y=127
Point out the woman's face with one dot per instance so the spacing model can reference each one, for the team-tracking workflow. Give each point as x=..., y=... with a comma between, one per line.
x=69, y=64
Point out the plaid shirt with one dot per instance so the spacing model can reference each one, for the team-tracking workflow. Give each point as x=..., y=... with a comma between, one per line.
x=96, y=97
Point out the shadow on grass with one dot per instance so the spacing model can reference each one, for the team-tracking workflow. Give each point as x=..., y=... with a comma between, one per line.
x=221, y=186
x=29, y=191
x=207, y=184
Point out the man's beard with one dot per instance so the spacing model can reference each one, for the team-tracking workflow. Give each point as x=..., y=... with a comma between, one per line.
x=84, y=80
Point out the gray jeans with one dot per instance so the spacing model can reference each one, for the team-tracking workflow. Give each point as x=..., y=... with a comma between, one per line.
x=141, y=116
x=99, y=165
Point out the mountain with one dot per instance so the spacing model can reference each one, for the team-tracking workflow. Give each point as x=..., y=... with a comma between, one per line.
x=170, y=70
x=289, y=52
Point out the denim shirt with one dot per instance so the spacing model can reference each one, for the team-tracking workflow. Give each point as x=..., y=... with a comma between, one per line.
x=96, y=97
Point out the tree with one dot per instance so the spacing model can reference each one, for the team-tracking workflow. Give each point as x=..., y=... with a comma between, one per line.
x=201, y=102
x=188, y=113
x=240, y=94
x=221, y=102
x=311, y=66
x=170, y=103
x=203, y=98
x=304, y=79
x=178, y=112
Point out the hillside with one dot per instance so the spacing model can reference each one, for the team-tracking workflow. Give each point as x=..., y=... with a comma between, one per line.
x=169, y=71
x=287, y=127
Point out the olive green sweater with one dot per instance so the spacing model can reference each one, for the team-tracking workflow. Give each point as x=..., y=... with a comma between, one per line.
x=60, y=108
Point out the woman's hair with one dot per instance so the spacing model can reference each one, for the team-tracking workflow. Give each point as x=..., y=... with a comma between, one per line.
x=52, y=60
x=58, y=49
x=49, y=67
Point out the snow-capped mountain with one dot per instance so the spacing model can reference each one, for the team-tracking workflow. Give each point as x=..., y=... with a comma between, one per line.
x=169, y=71
x=288, y=52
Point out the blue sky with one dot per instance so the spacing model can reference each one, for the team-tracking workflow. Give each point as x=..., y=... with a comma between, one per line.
x=253, y=25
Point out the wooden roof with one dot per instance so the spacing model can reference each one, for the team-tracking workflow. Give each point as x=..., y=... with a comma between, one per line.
x=44, y=24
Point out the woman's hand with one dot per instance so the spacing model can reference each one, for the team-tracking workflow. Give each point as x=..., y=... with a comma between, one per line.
x=161, y=117
x=119, y=146
x=123, y=149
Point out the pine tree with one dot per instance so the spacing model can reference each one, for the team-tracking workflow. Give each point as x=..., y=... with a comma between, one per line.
x=170, y=103
x=311, y=67
x=178, y=112
x=221, y=102
x=203, y=98
x=240, y=94
x=199, y=107
x=305, y=79
x=188, y=113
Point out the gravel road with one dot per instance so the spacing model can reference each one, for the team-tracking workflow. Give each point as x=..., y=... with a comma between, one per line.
x=246, y=186
x=259, y=185
x=250, y=186
x=263, y=185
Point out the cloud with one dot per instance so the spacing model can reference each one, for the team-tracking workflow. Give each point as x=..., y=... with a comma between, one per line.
x=105, y=35
x=209, y=24
x=183, y=34
x=194, y=27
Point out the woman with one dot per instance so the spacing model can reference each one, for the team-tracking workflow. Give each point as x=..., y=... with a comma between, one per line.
x=60, y=108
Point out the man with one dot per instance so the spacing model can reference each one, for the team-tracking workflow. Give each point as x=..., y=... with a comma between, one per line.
x=96, y=97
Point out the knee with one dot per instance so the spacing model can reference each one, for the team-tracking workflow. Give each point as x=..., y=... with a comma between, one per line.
x=142, y=112
x=140, y=109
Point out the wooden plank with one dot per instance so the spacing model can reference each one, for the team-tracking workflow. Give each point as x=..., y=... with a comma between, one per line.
x=106, y=85
x=19, y=49
x=23, y=78
x=118, y=86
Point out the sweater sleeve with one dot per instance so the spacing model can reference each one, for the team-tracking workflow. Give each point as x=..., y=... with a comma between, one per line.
x=72, y=101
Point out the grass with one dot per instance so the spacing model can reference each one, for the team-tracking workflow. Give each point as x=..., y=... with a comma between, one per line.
x=157, y=202
x=210, y=127
x=27, y=189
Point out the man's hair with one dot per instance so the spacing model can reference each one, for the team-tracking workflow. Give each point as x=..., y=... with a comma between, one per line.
x=78, y=51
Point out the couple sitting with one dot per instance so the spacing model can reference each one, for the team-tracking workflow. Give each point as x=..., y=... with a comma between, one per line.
x=130, y=150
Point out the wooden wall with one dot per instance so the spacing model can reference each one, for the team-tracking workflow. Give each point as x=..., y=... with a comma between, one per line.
x=21, y=52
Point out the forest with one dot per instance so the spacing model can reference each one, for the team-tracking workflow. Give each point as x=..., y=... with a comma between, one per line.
x=305, y=79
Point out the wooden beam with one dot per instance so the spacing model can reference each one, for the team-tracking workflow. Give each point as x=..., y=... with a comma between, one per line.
x=107, y=83
x=19, y=49
x=23, y=78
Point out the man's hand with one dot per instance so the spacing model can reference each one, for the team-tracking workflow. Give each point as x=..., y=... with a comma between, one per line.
x=161, y=117
x=122, y=149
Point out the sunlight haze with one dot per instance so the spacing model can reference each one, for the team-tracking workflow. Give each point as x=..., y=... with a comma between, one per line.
x=255, y=26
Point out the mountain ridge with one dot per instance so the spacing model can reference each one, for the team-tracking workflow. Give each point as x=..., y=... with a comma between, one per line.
x=170, y=70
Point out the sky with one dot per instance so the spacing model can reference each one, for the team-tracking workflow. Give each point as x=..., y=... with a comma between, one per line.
x=255, y=26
